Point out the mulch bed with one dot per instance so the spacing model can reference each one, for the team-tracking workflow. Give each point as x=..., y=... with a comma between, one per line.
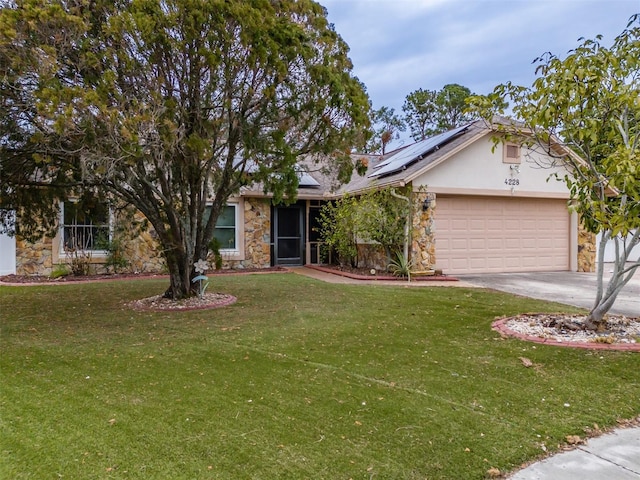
x=160, y=304
x=563, y=330
x=365, y=274
x=43, y=279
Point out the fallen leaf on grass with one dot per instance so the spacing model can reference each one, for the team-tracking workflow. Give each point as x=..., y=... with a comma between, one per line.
x=494, y=472
x=526, y=362
x=574, y=440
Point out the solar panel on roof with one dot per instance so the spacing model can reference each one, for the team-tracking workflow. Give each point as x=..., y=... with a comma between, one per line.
x=306, y=180
x=415, y=152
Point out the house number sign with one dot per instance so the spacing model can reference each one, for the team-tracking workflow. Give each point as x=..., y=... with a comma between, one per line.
x=512, y=181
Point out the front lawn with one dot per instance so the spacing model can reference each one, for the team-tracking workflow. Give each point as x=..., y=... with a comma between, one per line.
x=298, y=379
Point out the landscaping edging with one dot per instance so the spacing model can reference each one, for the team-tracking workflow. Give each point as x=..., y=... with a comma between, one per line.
x=501, y=327
x=133, y=276
x=160, y=304
x=356, y=276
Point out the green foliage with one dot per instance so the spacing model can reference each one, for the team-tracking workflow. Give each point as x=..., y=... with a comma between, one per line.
x=400, y=266
x=386, y=128
x=428, y=112
x=214, y=247
x=59, y=270
x=586, y=104
x=382, y=218
x=420, y=113
x=376, y=216
x=339, y=229
x=159, y=104
x=115, y=249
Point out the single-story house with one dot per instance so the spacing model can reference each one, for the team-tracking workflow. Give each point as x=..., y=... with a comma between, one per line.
x=478, y=208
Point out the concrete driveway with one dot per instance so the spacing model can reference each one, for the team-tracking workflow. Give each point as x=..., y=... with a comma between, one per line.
x=571, y=288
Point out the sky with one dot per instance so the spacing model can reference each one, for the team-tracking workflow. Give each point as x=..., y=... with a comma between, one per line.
x=398, y=46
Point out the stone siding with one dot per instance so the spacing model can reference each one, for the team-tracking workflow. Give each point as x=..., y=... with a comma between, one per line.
x=143, y=254
x=257, y=236
x=34, y=258
x=586, y=250
x=372, y=256
x=423, y=248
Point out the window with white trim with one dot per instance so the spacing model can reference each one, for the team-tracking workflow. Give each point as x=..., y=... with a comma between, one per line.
x=226, y=231
x=84, y=226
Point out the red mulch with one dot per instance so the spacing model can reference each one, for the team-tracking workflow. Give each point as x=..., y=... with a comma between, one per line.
x=365, y=274
x=29, y=279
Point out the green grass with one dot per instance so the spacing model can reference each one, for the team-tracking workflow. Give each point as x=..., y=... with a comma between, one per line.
x=298, y=379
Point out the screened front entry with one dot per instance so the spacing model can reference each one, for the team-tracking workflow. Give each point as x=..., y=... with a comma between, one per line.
x=288, y=235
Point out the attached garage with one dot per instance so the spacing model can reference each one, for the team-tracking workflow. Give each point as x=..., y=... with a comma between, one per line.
x=475, y=234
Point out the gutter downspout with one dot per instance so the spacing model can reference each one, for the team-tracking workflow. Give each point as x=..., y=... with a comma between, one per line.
x=406, y=228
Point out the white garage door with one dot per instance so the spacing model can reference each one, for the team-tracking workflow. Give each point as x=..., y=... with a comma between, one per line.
x=495, y=234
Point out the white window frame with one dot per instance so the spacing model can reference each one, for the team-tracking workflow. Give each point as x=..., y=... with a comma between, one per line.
x=233, y=251
x=63, y=252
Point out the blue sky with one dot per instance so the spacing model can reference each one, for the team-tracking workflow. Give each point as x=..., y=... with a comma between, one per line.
x=398, y=46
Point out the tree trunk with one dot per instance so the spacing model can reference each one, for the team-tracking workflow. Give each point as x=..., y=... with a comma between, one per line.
x=622, y=273
x=180, y=274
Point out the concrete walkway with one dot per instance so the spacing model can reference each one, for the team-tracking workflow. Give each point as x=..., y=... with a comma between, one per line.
x=332, y=278
x=613, y=456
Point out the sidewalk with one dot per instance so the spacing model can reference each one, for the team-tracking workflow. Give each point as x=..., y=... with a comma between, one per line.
x=613, y=456
x=332, y=278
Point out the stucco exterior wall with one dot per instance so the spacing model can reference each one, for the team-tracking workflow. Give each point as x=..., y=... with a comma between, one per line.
x=476, y=170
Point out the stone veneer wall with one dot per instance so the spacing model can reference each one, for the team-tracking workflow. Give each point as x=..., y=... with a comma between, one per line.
x=141, y=253
x=423, y=247
x=372, y=256
x=257, y=236
x=34, y=258
x=586, y=250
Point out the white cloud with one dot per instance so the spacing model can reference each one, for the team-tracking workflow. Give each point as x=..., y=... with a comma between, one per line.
x=398, y=46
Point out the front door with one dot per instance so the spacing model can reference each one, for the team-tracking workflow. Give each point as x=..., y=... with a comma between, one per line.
x=288, y=234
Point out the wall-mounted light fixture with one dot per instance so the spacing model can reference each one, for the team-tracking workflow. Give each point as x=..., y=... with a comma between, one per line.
x=426, y=204
x=515, y=168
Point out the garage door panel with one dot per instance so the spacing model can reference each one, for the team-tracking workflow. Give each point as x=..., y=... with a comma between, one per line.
x=494, y=234
x=477, y=243
x=459, y=243
x=495, y=244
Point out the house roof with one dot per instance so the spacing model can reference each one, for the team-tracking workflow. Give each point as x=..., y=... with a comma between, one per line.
x=401, y=167
x=397, y=168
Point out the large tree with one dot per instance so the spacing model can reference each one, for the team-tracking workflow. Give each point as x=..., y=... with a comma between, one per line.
x=428, y=112
x=170, y=106
x=387, y=126
x=589, y=103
